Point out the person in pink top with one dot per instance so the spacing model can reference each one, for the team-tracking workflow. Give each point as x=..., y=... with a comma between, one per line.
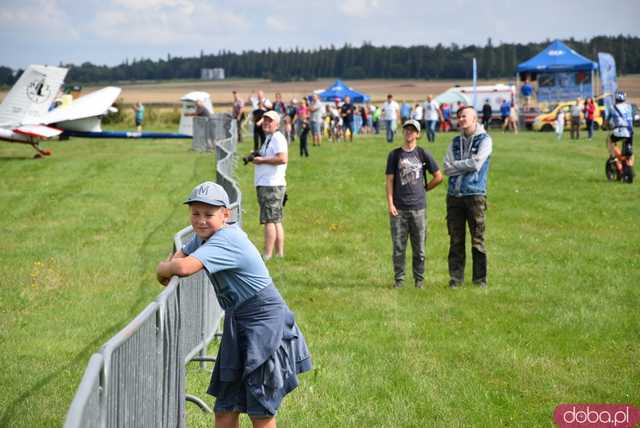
x=589, y=115
x=302, y=115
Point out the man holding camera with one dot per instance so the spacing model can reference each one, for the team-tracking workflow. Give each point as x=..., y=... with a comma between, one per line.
x=271, y=167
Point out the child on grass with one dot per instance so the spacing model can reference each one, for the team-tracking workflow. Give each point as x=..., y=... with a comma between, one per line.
x=304, y=136
x=262, y=350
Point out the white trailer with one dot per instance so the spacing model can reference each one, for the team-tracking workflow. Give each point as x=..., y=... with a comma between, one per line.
x=496, y=94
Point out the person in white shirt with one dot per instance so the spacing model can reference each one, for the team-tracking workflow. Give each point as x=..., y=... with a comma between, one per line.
x=418, y=114
x=270, y=172
x=390, y=111
x=621, y=125
x=432, y=114
x=317, y=110
x=560, y=123
x=576, y=118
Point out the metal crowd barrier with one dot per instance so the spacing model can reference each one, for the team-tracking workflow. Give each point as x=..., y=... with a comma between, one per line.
x=219, y=133
x=210, y=131
x=137, y=379
x=85, y=407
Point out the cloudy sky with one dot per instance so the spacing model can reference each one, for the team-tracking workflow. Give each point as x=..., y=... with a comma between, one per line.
x=108, y=32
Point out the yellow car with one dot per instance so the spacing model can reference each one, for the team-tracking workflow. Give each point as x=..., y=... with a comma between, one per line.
x=546, y=122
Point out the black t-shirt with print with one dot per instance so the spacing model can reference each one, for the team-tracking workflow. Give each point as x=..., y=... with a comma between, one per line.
x=409, y=176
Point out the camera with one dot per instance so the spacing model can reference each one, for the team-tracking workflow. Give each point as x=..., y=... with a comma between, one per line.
x=249, y=158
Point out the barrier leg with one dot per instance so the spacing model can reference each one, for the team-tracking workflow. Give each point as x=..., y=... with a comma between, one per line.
x=203, y=406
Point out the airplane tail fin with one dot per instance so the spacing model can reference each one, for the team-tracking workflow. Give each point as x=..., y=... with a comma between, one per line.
x=31, y=96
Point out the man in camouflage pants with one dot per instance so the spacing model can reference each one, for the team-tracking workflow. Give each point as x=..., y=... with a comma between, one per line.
x=406, y=187
x=270, y=182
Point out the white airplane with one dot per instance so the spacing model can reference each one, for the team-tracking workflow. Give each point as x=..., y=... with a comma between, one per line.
x=25, y=115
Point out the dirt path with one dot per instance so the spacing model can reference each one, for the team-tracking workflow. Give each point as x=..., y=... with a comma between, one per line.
x=410, y=90
x=169, y=92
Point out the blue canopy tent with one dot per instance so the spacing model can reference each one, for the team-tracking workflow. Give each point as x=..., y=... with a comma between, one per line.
x=562, y=73
x=557, y=57
x=340, y=90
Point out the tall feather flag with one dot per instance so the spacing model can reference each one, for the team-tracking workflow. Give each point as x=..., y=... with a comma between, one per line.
x=475, y=84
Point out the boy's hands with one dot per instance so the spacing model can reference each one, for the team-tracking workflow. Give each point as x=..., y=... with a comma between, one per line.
x=177, y=264
x=161, y=271
x=392, y=210
x=162, y=280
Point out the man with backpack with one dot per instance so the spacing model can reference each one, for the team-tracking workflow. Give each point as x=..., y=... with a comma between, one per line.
x=406, y=186
x=621, y=123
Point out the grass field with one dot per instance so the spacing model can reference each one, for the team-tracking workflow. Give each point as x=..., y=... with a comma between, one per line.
x=83, y=230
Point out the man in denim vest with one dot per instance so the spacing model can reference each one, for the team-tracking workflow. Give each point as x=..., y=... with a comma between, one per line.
x=467, y=166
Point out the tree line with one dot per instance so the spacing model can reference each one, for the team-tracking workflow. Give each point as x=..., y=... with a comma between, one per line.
x=350, y=62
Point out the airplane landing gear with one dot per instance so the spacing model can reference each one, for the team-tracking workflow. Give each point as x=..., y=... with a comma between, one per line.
x=41, y=152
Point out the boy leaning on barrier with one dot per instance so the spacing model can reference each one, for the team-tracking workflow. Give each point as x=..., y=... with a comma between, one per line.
x=262, y=350
x=407, y=185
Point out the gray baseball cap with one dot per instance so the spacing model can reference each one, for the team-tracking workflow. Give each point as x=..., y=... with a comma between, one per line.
x=412, y=122
x=209, y=193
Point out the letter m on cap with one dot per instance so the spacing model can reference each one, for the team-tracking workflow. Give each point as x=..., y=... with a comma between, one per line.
x=203, y=190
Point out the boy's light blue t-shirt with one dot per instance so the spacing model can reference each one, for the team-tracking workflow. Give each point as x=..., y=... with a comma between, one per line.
x=233, y=264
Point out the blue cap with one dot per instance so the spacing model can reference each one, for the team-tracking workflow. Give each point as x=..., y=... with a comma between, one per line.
x=209, y=193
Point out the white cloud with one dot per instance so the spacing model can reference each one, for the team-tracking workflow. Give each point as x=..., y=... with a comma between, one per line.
x=278, y=24
x=358, y=8
x=164, y=23
x=43, y=19
x=146, y=5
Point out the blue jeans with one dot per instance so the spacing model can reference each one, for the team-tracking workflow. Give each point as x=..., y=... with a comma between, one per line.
x=431, y=130
x=391, y=130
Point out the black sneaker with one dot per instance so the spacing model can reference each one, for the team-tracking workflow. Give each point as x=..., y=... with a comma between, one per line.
x=454, y=284
x=398, y=284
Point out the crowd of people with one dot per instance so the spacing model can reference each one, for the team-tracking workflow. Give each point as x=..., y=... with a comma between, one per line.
x=340, y=119
x=258, y=362
x=579, y=112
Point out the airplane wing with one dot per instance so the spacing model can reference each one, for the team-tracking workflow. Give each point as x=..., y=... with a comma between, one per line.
x=94, y=104
x=38, y=131
x=31, y=96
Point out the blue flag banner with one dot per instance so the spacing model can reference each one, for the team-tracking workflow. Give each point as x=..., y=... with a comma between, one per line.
x=607, y=76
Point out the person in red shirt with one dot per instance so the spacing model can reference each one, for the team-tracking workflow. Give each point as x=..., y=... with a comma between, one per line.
x=589, y=115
